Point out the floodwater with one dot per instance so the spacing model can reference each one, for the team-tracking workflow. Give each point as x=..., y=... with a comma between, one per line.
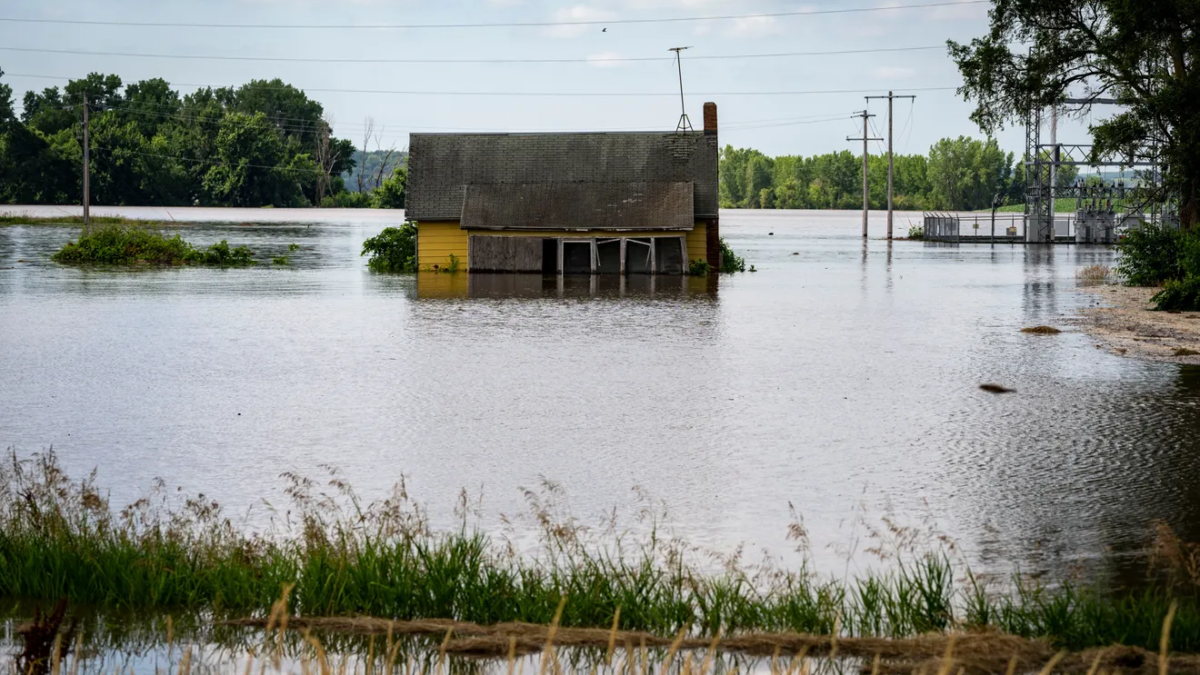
x=842, y=378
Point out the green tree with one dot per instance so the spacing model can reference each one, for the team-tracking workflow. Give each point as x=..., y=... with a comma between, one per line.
x=1142, y=52
x=966, y=174
x=118, y=161
x=790, y=195
x=390, y=195
x=149, y=105
x=6, y=102
x=732, y=173
x=246, y=171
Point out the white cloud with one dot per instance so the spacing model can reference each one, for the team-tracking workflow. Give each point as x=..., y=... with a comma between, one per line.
x=893, y=73
x=578, y=13
x=606, y=60
x=754, y=26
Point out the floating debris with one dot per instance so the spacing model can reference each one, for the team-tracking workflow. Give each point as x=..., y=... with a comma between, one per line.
x=996, y=389
x=1041, y=330
x=1184, y=351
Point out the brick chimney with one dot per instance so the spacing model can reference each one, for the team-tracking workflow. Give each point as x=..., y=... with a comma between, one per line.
x=712, y=225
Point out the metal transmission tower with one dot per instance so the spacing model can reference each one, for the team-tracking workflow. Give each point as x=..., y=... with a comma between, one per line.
x=1042, y=163
x=685, y=124
x=865, y=138
x=891, y=165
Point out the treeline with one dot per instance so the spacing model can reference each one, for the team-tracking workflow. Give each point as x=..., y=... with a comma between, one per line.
x=960, y=174
x=265, y=143
x=372, y=168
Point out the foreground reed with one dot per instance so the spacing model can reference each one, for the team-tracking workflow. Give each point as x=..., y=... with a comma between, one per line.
x=60, y=538
x=284, y=646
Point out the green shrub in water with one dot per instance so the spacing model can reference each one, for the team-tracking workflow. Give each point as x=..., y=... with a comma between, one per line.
x=698, y=268
x=916, y=232
x=730, y=261
x=126, y=245
x=221, y=254
x=393, y=250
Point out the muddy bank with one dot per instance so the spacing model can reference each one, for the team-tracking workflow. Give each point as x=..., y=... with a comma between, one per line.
x=1127, y=324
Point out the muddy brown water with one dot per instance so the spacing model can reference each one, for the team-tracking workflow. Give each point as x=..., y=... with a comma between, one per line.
x=842, y=378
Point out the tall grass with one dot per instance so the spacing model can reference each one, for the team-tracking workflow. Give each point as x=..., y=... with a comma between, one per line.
x=18, y=219
x=60, y=537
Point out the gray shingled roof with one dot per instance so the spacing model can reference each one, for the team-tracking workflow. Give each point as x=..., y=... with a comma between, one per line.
x=441, y=166
x=564, y=206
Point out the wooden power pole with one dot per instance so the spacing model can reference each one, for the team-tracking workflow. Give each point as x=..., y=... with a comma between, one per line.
x=891, y=166
x=866, y=192
x=87, y=163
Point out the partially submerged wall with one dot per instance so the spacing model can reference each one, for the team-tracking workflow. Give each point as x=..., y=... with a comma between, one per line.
x=438, y=240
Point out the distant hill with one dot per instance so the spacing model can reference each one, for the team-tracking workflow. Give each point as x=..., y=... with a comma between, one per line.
x=369, y=163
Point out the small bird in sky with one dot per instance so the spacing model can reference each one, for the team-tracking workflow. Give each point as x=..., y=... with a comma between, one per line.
x=603, y=30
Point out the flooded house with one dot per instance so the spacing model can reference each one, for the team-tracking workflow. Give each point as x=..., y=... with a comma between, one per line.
x=566, y=203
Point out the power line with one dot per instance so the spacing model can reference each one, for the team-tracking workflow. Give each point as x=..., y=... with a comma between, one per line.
x=311, y=126
x=784, y=124
x=320, y=172
x=507, y=24
x=589, y=60
x=541, y=94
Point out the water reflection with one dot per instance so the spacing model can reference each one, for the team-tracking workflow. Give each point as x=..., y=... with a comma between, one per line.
x=841, y=378
x=434, y=285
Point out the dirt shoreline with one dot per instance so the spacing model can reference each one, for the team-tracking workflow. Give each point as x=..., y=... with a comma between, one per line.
x=1127, y=325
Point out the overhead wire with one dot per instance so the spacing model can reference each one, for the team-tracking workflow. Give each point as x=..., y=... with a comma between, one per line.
x=878, y=134
x=308, y=125
x=542, y=94
x=194, y=160
x=585, y=60
x=502, y=24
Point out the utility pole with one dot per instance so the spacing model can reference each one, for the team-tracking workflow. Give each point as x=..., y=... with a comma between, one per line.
x=87, y=161
x=891, y=166
x=685, y=124
x=866, y=193
x=1054, y=159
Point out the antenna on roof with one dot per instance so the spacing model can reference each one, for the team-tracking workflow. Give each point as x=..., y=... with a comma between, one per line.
x=685, y=124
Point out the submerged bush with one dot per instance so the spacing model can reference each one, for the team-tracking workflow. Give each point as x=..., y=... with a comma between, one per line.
x=698, y=268
x=125, y=245
x=730, y=261
x=221, y=254
x=393, y=250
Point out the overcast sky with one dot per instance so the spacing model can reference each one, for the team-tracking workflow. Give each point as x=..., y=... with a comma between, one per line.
x=776, y=124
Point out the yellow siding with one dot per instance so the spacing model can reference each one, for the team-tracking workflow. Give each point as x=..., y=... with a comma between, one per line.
x=697, y=242
x=436, y=241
